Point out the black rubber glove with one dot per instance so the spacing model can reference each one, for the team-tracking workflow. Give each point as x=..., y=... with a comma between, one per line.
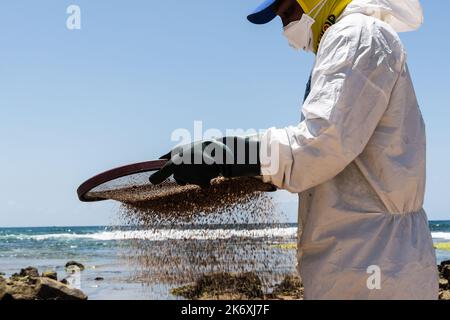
x=202, y=161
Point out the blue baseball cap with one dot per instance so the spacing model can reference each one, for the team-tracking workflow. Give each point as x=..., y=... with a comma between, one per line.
x=264, y=13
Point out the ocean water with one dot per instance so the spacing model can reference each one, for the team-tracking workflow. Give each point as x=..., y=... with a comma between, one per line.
x=146, y=264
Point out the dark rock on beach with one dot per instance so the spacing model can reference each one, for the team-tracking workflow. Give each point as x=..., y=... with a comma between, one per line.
x=28, y=285
x=222, y=286
x=72, y=264
x=444, y=279
x=30, y=272
x=246, y=286
x=444, y=295
x=290, y=288
x=443, y=284
x=445, y=272
x=50, y=274
x=50, y=289
x=445, y=263
x=3, y=292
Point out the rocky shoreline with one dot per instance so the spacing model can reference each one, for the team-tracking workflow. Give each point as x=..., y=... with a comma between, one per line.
x=28, y=284
x=245, y=286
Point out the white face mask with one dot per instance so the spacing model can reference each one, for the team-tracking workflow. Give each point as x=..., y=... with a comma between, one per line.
x=299, y=33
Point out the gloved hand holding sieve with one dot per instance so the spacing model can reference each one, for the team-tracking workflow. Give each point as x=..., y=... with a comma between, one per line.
x=200, y=162
x=130, y=183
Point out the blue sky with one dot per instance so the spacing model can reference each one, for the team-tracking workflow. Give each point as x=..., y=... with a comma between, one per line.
x=74, y=103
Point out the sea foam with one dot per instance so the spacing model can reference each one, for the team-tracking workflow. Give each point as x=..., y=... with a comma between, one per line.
x=177, y=234
x=167, y=234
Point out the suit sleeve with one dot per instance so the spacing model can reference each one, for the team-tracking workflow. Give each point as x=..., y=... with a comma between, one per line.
x=356, y=69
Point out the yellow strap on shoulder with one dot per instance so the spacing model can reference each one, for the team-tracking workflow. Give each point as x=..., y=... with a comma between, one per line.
x=325, y=15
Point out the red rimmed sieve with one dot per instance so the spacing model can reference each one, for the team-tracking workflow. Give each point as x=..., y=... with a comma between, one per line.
x=130, y=185
x=119, y=180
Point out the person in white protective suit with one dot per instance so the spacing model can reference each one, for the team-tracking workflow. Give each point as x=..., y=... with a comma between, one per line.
x=357, y=160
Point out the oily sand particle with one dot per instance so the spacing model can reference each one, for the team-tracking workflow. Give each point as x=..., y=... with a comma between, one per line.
x=236, y=203
x=173, y=203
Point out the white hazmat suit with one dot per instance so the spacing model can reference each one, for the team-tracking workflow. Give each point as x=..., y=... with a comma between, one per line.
x=358, y=163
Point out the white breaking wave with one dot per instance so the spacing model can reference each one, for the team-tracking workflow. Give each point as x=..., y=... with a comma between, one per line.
x=170, y=234
x=173, y=234
x=441, y=235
